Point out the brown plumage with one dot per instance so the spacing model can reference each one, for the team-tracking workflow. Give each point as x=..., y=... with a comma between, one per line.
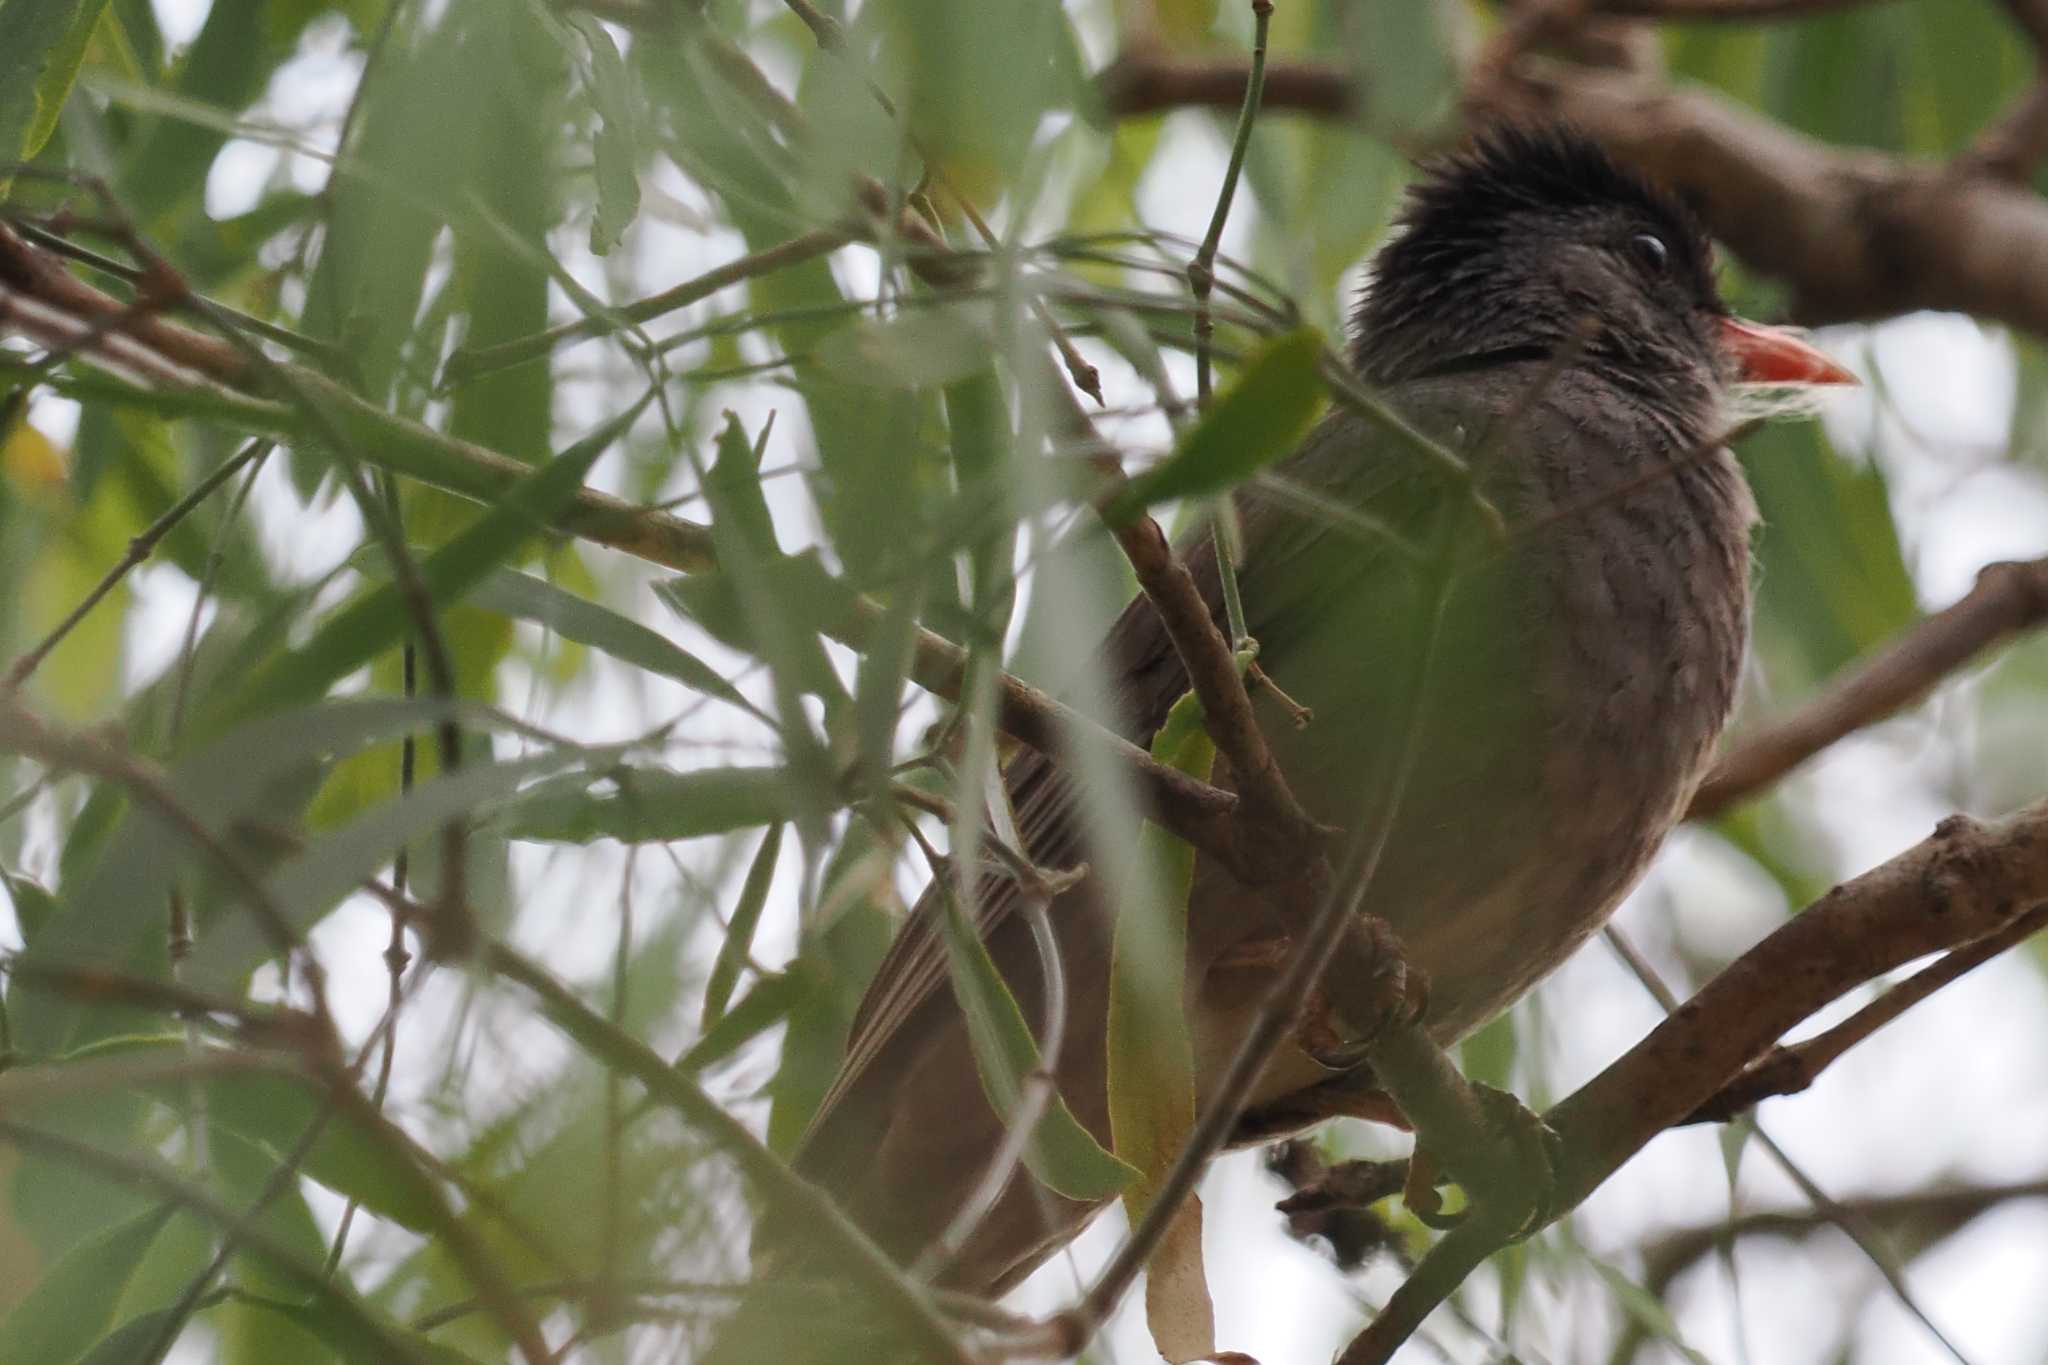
x=1584, y=668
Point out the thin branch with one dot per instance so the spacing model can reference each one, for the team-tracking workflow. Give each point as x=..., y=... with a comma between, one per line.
x=1965, y=882
x=467, y=364
x=1858, y=1230
x=140, y=547
x=2008, y=599
x=1939, y=1212
x=1202, y=270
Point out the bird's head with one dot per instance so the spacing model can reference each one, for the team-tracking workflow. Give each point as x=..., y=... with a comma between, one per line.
x=1534, y=239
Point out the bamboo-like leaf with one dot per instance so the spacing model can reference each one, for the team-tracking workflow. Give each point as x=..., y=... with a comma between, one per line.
x=739, y=934
x=617, y=145
x=1063, y=1155
x=648, y=805
x=529, y=598
x=759, y=1010
x=312, y=883
x=1152, y=1054
x=1258, y=420
x=70, y=1306
x=347, y=1336
x=376, y=620
x=41, y=44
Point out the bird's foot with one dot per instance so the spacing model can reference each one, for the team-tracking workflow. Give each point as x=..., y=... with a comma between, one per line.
x=1522, y=1188
x=1395, y=994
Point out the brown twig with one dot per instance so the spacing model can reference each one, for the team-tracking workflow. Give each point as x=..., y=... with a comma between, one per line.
x=1965, y=883
x=2008, y=598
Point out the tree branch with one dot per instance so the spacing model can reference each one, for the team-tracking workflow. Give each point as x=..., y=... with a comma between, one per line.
x=2008, y=599
x=1856, y=234
x=1965, y=883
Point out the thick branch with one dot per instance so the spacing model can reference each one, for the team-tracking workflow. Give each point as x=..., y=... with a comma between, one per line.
x=1965, y=882
x=1856, y=234
x=1789, y=1070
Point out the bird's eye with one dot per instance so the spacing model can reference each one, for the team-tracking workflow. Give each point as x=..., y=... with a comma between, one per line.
x=1650, y=252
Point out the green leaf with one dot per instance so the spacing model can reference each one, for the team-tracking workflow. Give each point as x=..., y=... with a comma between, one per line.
x=378, y=619
x=921, y=347
x=1151, y=1049
x=70, y=1306
x=759, y=1010
x=33, y=905
x=1259, y=419
x=617, y=146
x=648, y=805
x=805, y=595
x=329, y=868
x=1063, y=1155
x=127, y=1343
x=528, y=598
x=276, y=1111
x=739, y=935
x=349, y=1337
x=42, y=43
x=115, y=886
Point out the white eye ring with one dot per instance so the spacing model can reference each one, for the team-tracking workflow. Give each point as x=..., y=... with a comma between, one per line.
x=1651, y=251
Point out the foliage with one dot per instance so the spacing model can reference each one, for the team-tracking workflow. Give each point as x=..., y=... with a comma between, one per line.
x=406, y=702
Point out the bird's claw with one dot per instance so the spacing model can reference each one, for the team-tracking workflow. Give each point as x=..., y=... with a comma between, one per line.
x=1535, y=1151
x=1529, y=1157
x=1396, y=994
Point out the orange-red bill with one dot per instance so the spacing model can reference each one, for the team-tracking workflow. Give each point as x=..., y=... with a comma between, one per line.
x=1771, y=355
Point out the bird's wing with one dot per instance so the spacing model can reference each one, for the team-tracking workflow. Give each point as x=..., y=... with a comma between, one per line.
x=1046, y=805
x=1138, y=658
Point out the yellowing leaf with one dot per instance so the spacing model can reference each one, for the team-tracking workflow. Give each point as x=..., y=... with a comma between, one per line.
x=31, y=460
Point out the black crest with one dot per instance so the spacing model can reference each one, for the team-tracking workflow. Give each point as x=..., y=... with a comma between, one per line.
x=1480, y=220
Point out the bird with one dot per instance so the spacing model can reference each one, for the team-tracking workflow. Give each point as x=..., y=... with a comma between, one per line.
x=1553, y=319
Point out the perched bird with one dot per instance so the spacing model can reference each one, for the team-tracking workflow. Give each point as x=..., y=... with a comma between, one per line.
x=1553, y=318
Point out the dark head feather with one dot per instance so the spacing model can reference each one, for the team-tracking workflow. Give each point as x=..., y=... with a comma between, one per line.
x=1504, y=245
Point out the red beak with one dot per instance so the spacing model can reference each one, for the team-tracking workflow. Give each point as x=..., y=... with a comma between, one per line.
x=1771, y=355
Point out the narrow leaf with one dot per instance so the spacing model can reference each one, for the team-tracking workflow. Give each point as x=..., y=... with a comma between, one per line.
x=42, y=43
x=70, y=1306
x=378, y=619
x=739, y=937
x=759, y=1010
x=528, y=598
x=617, y=145
x=1063, y=1155
x=1152, y=1055
x=1259, y=419
x=649, y=805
